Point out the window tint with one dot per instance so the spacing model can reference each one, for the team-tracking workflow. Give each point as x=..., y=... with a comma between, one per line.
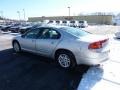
x=50, y=34
x=57, y=21
x=32, y=34
x=75, y=31
x=81, y=21
x=64, y=21
x=55, y=34
x=72, y=21
x=45, y=34
x=50, y=21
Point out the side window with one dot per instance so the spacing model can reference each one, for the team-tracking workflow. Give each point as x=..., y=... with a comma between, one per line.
x=55, y=34
x=50, y=34
x=32, y=34
x=45, y=34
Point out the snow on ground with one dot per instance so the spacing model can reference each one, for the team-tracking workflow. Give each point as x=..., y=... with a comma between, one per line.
x=107, y=76
x=102, y=29
x=8, y=35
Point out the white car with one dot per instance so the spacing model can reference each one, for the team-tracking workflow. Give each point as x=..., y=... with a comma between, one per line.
x=82, y=24
x=65, y=23
x=58, y=22
x=73, y=23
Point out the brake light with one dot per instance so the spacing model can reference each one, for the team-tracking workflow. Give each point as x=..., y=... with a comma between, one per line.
x=97, y=45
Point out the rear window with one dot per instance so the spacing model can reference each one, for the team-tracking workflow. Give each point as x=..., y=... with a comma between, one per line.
x=75, y=31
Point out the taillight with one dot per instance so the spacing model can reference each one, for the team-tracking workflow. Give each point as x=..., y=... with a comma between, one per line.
x=97, y=45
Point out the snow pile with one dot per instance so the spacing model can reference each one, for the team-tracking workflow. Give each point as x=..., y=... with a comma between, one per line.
x=115, y=50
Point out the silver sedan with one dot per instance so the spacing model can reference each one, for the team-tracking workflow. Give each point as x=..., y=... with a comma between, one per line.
x=69, y=46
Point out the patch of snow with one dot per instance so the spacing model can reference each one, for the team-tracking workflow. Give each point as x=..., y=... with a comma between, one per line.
x=7, y=36
x=106, y=77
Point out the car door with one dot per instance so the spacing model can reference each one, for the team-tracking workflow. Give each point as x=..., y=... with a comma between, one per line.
x=47, y=42
x=29, y=39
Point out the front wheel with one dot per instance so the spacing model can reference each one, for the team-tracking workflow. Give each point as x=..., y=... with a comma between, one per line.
x=16, y=47
x=66, y=59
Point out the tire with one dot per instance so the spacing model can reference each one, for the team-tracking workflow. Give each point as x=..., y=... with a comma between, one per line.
x=16, y=47
x=66, y=59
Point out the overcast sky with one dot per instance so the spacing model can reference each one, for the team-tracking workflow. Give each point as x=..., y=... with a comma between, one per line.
x=37, y=8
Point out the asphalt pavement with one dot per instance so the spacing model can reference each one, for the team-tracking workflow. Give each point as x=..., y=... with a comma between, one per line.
x=27, y=71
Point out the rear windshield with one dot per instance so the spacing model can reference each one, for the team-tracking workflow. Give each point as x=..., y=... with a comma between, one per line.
x=75, y=31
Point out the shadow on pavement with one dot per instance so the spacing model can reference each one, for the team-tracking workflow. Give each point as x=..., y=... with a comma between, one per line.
x=26, y=71
x=91, y=78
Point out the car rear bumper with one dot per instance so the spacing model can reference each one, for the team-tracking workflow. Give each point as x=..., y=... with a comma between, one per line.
x=102, y=57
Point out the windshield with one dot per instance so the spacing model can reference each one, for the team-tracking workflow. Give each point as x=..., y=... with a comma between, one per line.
x=75, y=31
x=64, y=21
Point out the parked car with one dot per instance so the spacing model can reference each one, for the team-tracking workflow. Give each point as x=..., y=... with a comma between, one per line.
x=0, y=26
x=65, y=23
x=14, y=29
x=24, y=29
x=52, y=22
x=82, y=24
x=59, y=22
x=117, y=34
x=67, y=45
x=5, y=28
x=73, y=23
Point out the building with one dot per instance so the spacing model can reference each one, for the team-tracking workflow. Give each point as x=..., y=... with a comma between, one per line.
x=91, y=19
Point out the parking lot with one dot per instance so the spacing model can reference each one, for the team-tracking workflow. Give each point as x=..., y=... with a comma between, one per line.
x=26, y=71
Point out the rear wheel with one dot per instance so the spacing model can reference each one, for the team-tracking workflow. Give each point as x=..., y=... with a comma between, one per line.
x=16, y=47
x=66, y=59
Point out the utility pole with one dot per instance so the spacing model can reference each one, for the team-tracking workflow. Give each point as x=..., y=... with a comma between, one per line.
x=1, y=12
x=18, y=15
x=69, y=11
x=24, y=14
